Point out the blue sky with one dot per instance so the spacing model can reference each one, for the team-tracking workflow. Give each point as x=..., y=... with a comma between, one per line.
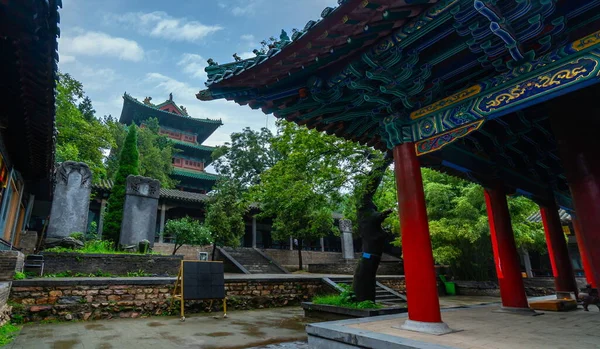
x=152, y=48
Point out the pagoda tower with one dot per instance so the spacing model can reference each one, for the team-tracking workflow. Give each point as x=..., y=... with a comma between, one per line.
x=186, y=132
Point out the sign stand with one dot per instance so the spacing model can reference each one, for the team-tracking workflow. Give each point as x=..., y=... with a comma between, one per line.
x=201, y=280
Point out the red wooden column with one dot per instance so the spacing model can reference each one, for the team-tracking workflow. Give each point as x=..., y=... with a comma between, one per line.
x=579, y=148
x=562, y=268
x=421, y=285
x=504, y=247
x=583, y=252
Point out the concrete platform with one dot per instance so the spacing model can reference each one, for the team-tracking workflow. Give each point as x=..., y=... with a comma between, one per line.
x=478, y=328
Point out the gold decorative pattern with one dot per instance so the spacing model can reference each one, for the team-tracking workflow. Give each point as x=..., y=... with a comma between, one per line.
x=586, y=42
x=365, y=3
x=543, y=82
x=345, y=19
x=455, y=98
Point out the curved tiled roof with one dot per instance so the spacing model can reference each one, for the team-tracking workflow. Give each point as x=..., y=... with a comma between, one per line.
x=205, y=120
x=173, y=194
x=537, y=217
x=195, y=146
x=195, y=174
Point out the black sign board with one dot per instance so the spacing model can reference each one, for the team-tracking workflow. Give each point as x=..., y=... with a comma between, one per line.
x=199, y=280
x=203, y=280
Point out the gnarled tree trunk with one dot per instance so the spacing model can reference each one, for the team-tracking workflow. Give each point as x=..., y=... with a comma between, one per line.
x=373, y=236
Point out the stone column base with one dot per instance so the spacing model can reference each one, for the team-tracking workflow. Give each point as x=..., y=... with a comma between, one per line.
x=517, y=311
x=436, y=328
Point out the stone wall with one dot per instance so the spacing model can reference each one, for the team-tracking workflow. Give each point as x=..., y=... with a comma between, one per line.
x=397, y=284
x=10, y=262
x=117, y=264
x=533, y=287
x=289, y=259
x=188, y=252
x=348, y=268
x=101, y=298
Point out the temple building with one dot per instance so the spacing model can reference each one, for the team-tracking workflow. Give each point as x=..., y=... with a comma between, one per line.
x=189, y=162
x=188, y=133
x=28, y=65
x=500, y=93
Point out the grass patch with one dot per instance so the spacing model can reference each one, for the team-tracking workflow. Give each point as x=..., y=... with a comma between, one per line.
x=19, y=276
x=8, y=333
x=345, y=299
x=93, y=247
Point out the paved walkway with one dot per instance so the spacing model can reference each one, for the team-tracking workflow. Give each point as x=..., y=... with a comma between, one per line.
x=481, y=328
x=243, y=329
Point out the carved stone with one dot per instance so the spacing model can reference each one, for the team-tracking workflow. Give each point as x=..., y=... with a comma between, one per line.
x=139, y=211
x=71, y=201
x=347, y=239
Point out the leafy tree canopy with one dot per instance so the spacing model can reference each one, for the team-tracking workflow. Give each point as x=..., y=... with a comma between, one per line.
x=81, y=136
x=246, y=157
x=225, y=214
x=187, y=231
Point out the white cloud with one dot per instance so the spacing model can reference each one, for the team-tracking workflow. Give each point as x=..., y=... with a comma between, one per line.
x=240, y=8
x=246, y=55
x=160, y=25
x=247, y=37
x=64, y=59
x=101, y=44
x=194, y=65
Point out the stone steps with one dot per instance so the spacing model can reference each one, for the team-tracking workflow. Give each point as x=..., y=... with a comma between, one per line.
x=382, y=293
x=253, y=261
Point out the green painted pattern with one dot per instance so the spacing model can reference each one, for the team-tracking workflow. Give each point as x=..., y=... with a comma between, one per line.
x=195, y=174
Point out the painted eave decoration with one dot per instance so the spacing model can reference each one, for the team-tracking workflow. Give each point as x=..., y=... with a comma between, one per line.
x=464, y=80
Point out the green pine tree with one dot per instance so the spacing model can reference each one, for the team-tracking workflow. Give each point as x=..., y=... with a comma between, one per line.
x=129, y=163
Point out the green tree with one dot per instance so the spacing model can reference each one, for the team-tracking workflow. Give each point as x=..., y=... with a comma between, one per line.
x=225, y=214
x=187, y=231
x=304, y=187
x=81, y=136
x=128, y=165
x=246, y=157
x=156, y=151
x=459, y=227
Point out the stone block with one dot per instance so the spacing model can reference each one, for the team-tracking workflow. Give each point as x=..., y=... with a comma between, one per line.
x=139, y=211
x=71, y=200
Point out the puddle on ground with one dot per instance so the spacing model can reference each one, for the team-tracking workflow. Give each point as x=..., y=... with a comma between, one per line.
x=255, y=344
x=295, y=323
x=156, y=324
x=96, y=327
x=104, y=346
x=68, y=344
x=219, y=334
x=252, y=330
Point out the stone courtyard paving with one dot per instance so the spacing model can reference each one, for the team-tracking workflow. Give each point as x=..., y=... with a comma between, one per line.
x=480, y=328
x=243, y=329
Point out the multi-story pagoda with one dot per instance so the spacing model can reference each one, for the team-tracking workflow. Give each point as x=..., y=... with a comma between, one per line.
x=187, y=132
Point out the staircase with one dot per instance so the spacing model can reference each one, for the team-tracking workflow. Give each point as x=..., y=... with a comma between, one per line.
x=383, y=294
x=252, y=260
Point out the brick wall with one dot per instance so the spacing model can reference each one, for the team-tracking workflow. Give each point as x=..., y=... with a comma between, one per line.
x=117, y=264
x=127, y=297
x=10, y=261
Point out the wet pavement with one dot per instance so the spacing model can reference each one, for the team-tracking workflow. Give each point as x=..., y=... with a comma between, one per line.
x=243, y=329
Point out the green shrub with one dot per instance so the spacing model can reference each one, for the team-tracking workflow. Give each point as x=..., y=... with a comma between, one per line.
x=8, y=333
x=187, y=231
x=77, y=236
x=92, y=247
x=19, y=276
x=345, y=299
